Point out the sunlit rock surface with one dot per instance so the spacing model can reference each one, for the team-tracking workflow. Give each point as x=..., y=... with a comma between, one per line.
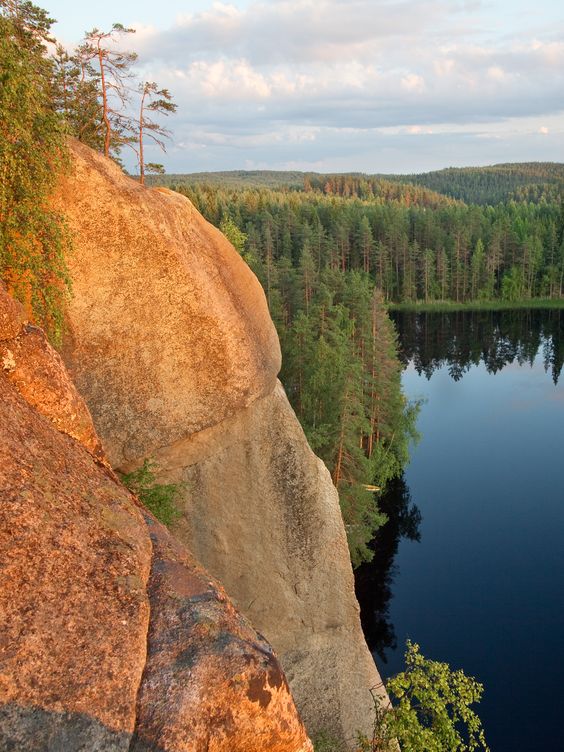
x=112, y=637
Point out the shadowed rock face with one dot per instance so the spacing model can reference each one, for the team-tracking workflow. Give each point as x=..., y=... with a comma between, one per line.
x=277, y=542
x=111, y=636
x=174, y=351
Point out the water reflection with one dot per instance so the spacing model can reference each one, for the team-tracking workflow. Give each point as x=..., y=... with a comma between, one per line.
x=457, y=341
x=497, y=338
x=374, y=581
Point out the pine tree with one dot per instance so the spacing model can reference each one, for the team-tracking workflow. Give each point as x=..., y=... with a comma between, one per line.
x=113, y=68
x=153, y=101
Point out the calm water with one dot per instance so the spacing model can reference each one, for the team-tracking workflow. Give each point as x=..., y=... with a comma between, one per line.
x=472, y=564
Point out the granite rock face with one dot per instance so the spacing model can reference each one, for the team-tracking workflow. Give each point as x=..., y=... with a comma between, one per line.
x=278, y=544
x=169, y=329
x=112, y=637
x=225, y=690
x=172, y=347
x=75, y=559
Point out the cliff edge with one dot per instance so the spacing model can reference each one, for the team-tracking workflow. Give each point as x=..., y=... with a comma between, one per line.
x=172, y=346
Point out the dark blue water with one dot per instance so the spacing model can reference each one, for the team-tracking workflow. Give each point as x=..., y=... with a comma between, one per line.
x=476, y=576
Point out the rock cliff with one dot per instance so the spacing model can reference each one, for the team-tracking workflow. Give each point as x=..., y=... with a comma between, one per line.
x=112, y=637
x=171, y=345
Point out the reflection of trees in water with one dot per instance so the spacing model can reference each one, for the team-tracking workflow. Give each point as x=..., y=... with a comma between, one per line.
x=374, y=580
x=458, y=340
x=461, y=339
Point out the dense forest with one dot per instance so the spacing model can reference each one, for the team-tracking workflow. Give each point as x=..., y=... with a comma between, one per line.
x=412, y=246
x=342, y=375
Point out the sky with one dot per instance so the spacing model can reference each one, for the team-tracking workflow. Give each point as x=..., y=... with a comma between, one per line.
x=346, y=85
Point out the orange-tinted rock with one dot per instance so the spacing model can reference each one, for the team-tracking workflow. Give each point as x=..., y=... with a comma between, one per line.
x=169, y=329
x=38, y=373
x=74, y=559
x=75, y=602
x=225, y=690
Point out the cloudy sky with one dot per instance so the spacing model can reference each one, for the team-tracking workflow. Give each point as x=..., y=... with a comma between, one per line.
x=339, y=85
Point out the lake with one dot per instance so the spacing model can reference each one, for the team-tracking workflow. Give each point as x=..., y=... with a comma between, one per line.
x=471, y=563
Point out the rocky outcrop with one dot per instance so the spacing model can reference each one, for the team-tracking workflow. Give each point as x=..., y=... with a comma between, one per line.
x=112, y=637
x=154, y=283
x=172, y=346
x=211, y=684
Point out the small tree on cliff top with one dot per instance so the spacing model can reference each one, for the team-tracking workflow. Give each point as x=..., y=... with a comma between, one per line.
x=153, y=100
x=114, y=71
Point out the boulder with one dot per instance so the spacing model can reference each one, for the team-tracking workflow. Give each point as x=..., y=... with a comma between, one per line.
x=168, y=329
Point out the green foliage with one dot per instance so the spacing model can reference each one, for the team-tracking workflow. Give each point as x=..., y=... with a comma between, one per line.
x=430, y=710
x=33, y=237
x=159, y=498
x=237, y=238
x=155, y=168
x=512, y=285
x=75, y=92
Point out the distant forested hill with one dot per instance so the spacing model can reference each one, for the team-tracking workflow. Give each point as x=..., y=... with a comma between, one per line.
x=233, y=179
x=527, y=181
x=344, y=185
x=533, y=182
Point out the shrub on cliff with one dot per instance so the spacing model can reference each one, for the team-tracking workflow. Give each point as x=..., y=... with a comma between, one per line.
x=430, y=712
x=159, y=498
x=33, y=238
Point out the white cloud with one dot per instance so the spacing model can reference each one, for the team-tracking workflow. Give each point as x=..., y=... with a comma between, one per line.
x=413, y=82
x=291, y=74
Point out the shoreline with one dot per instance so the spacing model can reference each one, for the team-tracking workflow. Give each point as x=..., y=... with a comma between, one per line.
x=446, y=306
